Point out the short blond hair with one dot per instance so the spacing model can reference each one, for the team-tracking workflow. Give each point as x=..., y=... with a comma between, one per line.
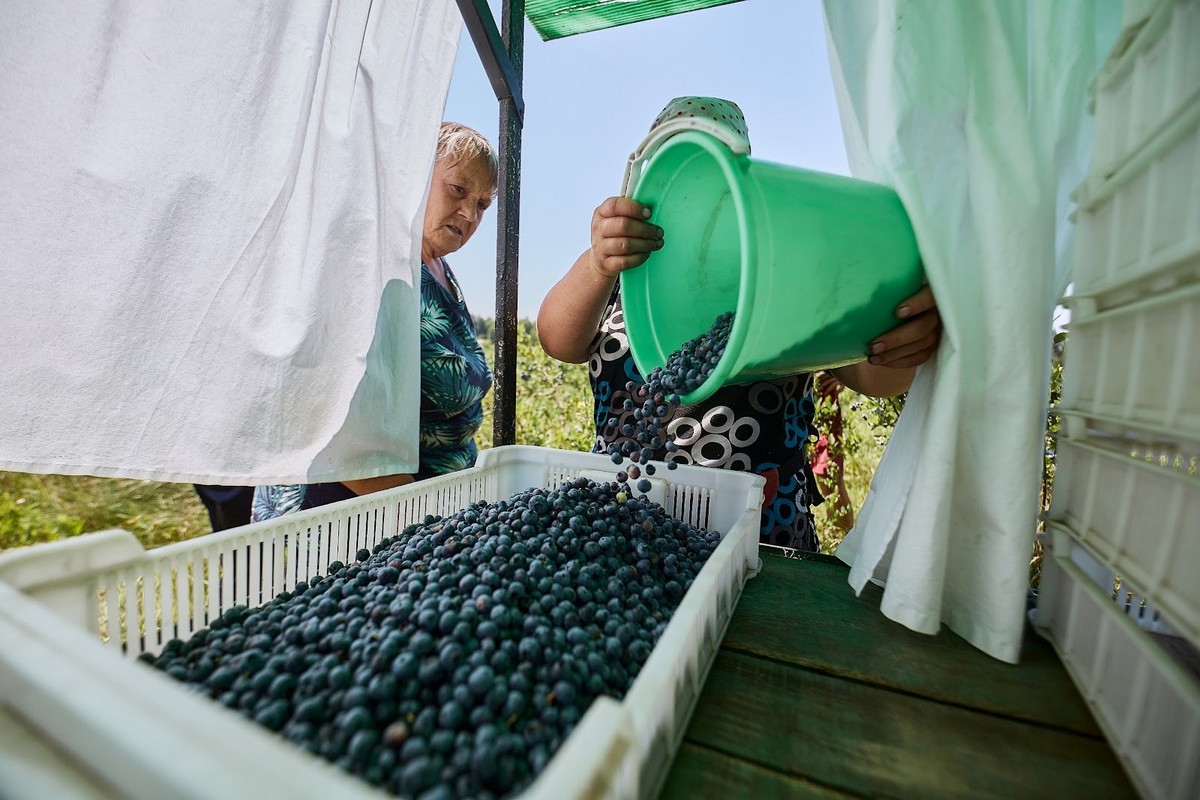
x=458, y=143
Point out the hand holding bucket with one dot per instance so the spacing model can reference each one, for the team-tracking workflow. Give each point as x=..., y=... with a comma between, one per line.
x=813, y=265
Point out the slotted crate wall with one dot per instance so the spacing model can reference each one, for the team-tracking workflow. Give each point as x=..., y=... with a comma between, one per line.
x=1126, y=509
x=1146, y=704
x=1136, y=514
x=1149, y=80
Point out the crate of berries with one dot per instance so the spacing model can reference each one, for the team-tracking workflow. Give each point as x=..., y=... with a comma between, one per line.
x=539, y=625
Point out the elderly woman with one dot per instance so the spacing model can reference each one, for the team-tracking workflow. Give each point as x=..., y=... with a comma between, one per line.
x=454, y=372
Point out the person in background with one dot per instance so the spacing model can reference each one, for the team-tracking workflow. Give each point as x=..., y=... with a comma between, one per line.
x=828, y=456
x=454, y=373
x=762, y=427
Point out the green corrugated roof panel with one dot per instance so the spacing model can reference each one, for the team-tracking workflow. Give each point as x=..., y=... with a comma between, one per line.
x=554, y=19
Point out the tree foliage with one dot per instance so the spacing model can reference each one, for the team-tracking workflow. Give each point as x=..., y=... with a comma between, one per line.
x=1058, y=350
x=554, y=401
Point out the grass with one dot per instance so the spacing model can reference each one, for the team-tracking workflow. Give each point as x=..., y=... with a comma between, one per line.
x=44, y=508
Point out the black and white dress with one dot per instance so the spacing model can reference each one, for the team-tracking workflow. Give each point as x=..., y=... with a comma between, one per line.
x=761, y=427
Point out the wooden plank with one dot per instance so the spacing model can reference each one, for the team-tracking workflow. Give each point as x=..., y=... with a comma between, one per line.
x=878, y=742
x=804, y=612
x=701, y=772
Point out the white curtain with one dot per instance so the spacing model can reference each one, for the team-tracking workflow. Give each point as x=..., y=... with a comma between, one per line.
x=210, y=220
x=975, y=112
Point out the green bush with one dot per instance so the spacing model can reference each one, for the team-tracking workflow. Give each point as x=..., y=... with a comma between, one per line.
x=867, y=423
x=25, y=521
x=554, y=401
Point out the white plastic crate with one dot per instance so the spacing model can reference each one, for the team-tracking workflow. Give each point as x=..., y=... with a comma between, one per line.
x=1146, y=703
x=1138, y=229
x=129, y=601
x=1132, y=384
x=1143, y=516
x=1152, y=75
x=1139, y=364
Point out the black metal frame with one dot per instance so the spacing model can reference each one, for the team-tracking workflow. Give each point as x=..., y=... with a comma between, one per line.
x=502, y=54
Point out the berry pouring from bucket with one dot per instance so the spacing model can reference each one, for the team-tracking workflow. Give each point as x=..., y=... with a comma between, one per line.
x=813, y=265
x=684, y=372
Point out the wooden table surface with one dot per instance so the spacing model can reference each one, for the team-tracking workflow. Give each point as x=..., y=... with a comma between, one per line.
x=814, y=693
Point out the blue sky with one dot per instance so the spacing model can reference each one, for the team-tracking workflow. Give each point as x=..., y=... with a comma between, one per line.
x=590, y=99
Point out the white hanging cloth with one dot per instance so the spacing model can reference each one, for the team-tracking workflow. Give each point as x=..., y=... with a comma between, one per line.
x=210, y=224
x=975, y=112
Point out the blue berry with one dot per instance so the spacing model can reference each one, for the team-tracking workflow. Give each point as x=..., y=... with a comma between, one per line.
x=454, y=658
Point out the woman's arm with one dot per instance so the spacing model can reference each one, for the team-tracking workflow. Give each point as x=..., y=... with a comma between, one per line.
x=896, y=354
x=368, y=485
x=570, y=314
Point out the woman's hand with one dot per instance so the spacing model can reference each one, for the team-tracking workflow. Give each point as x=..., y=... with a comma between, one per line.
x=571, y=312
x=914, y=341
x=895, y=356
x=621, y=236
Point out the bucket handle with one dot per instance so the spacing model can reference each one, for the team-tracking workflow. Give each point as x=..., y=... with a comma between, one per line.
x=740, y=145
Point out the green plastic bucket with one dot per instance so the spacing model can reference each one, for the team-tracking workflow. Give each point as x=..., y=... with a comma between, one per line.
x=813, y=265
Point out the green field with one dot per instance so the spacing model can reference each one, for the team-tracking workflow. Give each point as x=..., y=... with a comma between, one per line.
x=554, y=409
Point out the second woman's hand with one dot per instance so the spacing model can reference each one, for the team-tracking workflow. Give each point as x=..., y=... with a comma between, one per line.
x=894, y=357
x=914, y=340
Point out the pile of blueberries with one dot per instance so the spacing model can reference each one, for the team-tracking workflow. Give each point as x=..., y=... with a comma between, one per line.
x=684, y=372
x=454, y=659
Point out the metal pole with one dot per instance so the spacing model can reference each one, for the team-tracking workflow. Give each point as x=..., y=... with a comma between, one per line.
x=504, y=419
x=503, y=73
x=502, y=54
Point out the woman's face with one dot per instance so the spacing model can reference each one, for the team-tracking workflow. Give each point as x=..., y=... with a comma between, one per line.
x=458, y=196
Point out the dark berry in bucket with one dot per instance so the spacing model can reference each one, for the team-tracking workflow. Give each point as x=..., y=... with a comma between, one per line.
x=454, y=659
x=653, y=402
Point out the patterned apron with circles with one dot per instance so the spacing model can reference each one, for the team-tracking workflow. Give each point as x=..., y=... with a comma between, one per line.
x=757, y=427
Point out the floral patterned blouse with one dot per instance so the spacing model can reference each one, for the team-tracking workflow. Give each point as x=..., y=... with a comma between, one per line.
x=455, y=377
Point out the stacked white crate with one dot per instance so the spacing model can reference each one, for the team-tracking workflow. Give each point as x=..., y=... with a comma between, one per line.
x=1127, y=496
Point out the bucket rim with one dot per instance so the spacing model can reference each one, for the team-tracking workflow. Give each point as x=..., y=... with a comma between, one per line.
x=727, y=160
x=660, y=135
